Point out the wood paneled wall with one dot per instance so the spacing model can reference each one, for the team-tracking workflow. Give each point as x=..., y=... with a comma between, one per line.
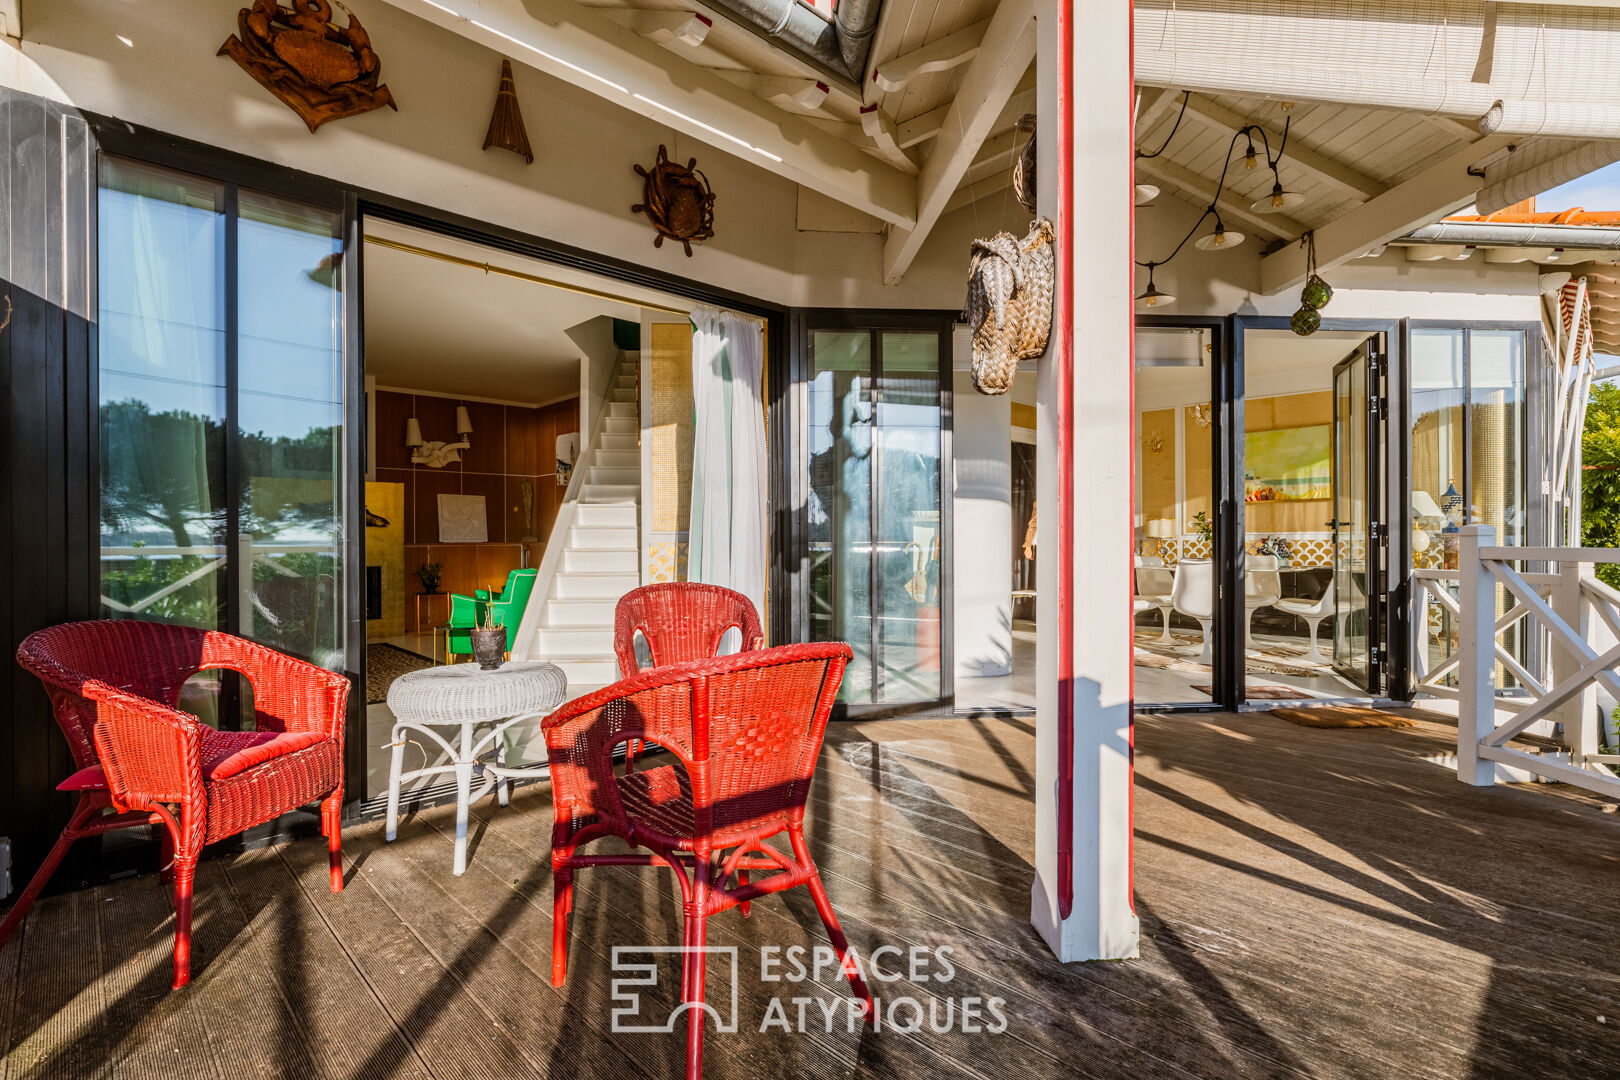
x=48, y=479
x=510, y=444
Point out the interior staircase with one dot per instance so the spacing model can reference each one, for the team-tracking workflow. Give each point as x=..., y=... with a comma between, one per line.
x=600, y=555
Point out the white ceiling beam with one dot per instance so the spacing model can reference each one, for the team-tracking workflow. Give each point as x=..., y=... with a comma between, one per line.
x=968, y=194
x=878, y=126
x=925, y=126
x=786, y=91
x=1436, y=191
x=1199, y=190
x=1320, y=166
x=1153, y=103
x=664, y=27
x=948, y=52
x=1004, y=56
x=921, y=128
x=996, y=155
x=583, y=47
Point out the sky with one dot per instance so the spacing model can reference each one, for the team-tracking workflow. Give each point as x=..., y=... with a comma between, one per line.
x=1598, y=190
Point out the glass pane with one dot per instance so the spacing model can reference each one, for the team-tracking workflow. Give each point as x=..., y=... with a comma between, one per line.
x=1496, y=413
x=1351, y=521
x=1438, y=476
x=290, y=370
x=1175, y=574
x=161, y=287
x=908, y=481
x=840, y=510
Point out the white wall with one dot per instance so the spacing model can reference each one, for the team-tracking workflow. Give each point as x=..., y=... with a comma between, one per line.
x=598, y=358
x=981, y=442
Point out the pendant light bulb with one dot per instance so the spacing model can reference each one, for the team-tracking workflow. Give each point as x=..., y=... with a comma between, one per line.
x=1150, y=297
x=1221, y=239
x=1278, y=201
x=1250, y=161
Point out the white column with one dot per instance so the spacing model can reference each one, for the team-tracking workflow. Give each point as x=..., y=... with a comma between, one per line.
x=1476, y=674
x=1098, y=275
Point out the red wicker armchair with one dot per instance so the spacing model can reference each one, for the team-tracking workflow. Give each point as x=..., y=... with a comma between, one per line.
x=114, y=686
x=745, y=731
x=682, y=620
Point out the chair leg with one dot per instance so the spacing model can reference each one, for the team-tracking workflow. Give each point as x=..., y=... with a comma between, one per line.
x=1315, y=655
x=829, y=919
x=42, y=876
x=185, y=872
x=562, y=902
x=332, y=826
x=697, y=921
x=396, y=768
x=1165, y=637
x=745, y=906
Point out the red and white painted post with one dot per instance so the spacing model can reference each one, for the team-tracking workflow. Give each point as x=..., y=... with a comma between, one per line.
x=1082, y=901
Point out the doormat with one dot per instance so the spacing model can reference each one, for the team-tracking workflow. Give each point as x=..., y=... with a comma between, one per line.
x=1263, y=693
x=1342, y=716
x=384, y=664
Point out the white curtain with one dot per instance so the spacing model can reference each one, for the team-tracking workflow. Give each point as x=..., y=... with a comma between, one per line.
x=727, y=540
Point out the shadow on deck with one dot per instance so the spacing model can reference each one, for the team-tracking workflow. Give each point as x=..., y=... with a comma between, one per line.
x=1316, y=903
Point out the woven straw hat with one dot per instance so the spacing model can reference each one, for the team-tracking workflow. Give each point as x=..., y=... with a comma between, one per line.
x=1009, y=303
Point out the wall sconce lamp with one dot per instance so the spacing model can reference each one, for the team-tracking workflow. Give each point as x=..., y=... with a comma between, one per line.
x=437, y=455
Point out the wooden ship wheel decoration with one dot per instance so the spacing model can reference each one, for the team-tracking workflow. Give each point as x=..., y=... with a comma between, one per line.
x=678, y=201
x=319, y=70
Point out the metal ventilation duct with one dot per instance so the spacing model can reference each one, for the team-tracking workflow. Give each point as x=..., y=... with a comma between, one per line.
x=839, y=46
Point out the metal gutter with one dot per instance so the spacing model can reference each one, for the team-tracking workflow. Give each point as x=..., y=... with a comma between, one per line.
x=1500, y=234
x=839, y=47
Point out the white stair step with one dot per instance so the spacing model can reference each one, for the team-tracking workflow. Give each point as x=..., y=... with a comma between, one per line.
x=599, y=561
x=610, y=441
x=624, y=396
x=619, y=425
x=612, y=474
x=609, y=493
x=593, y=585
x=618, y=459
x=578, y=612
x=622, y=515
x=588, y=672
x=622, y=408
x=593, y=537
x=574, y=641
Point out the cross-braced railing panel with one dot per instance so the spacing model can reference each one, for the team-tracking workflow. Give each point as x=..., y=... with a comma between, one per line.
x=1564, y=606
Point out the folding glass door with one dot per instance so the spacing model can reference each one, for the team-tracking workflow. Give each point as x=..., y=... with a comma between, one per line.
x=1359, y=535
x=878, y=528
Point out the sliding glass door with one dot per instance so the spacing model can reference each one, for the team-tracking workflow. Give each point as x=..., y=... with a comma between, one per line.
x=878, y=526
x=221, y=373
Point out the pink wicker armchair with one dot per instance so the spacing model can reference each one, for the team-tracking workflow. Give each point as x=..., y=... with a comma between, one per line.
x=114, y=686
x=745, y=731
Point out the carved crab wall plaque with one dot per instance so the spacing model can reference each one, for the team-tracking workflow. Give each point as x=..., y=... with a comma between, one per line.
x=678, y=201
x=320, y=71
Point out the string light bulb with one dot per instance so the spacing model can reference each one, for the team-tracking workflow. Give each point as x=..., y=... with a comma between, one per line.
x=1150, y=297
x=1278, y=201
x=1220, y=240
x=1251, y=161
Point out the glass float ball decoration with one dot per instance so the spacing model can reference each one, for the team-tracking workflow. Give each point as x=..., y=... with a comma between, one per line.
x=1306, y=321
x=1316, y=293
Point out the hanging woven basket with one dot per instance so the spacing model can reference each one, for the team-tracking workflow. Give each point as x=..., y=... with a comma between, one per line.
x=1009, y=304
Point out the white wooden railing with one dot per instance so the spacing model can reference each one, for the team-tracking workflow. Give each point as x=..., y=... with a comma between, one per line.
x=1565, y=606
x=215, y=556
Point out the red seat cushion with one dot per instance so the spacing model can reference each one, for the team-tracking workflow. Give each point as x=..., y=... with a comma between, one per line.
x=226, y=753
x=93, y=778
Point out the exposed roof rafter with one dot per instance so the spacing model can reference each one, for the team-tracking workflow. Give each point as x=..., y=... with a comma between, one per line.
x=1439, y=189
x=1320, y=166
x=1005, y=54
x=584, y=47
x=1200, y=189
x=948, y=52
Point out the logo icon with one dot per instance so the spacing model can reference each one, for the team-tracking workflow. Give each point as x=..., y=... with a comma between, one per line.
x=628, y=1017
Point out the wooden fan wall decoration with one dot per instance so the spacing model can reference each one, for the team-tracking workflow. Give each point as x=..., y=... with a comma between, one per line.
x=321, y=71
x=677, y=200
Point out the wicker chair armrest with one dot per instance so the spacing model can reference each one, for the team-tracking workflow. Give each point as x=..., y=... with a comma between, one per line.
x=290, y=694
x=150, y=752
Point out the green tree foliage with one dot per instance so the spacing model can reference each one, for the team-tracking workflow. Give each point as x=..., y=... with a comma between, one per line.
x=1600, y=477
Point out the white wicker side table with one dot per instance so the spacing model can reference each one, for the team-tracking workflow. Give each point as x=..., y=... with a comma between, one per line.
x=462, y=695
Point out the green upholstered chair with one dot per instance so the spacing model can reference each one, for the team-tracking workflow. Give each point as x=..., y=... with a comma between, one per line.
x=467, y=612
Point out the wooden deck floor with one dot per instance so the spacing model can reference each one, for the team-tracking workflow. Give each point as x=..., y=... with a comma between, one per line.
x=1314, y=903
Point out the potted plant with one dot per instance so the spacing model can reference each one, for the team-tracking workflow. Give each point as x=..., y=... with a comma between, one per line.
x=488, y=640
x=1203, y=528
x=430, y=574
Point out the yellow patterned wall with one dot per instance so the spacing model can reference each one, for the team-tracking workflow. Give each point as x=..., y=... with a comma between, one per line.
x=385, y=547
x=669, y=431
x=666, y=562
